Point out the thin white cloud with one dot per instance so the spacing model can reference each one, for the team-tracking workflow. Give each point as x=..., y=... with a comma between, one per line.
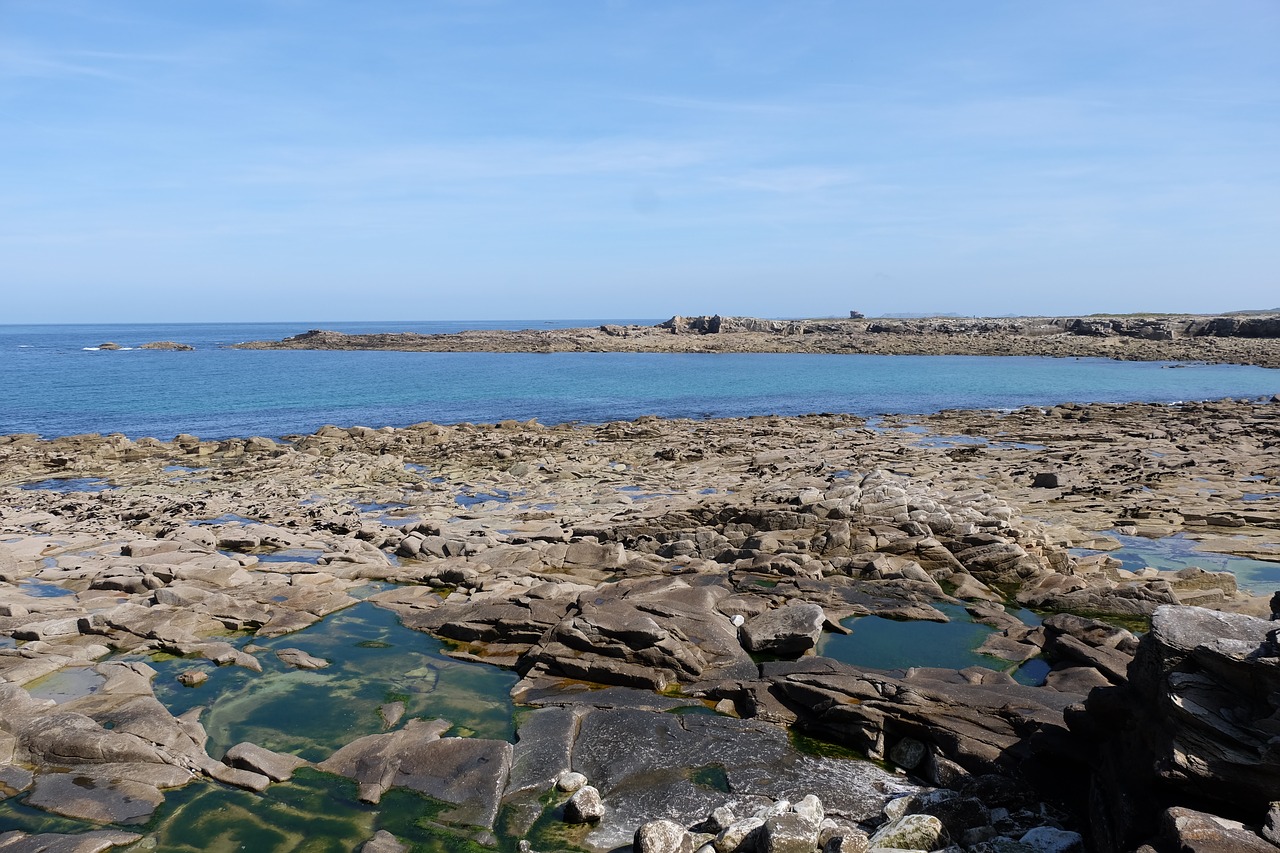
x=492, y=160
x=790, y=179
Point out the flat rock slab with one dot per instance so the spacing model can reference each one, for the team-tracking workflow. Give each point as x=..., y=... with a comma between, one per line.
x=650, y=765
x=95, y=799
x=300, y=659
x=277, y=766
x=50, y=842
x=468, y=773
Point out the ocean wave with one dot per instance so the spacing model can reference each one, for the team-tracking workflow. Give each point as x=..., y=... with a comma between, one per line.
x=91, y=349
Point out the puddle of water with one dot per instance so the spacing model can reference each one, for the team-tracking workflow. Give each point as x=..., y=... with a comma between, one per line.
x=881, y=643
x=374, y=506
x=373, y=660
x=1260, y=496
x=470, y=499
x=180, y=469
x=43, y=589
x=70, y=682
x=1178, y=552
x=312, y=813
x=8, y=643
x=951, y=441
x=287, y=555
x=67, y=485
x=638, y=493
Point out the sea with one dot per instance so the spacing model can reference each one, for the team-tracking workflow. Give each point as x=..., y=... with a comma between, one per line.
x=56, y=380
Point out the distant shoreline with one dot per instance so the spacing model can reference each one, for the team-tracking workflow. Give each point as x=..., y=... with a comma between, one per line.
x=1235, y=339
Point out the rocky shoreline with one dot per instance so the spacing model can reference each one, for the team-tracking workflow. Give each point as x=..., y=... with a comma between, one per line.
x=629, y=570
x=1251, y=339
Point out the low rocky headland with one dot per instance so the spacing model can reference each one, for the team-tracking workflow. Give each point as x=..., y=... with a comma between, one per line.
x=669, y=596
x=1234, y=339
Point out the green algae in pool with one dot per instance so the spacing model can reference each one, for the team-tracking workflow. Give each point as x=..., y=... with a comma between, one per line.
x=312, y=813
x=311, y=713
x=1178, y=552
x=882, y=643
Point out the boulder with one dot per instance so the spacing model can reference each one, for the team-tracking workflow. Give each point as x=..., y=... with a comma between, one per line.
x=786, y=631
x=384, y=842
x=1195, y=724
x=276, y=766
x=301, y=660
x=910, y=832
x=584, y=806
x=662, y=836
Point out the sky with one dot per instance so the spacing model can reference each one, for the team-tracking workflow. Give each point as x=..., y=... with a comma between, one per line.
x=228, y=160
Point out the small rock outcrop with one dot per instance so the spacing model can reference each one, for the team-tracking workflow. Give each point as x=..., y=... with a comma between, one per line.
x=1196, y=724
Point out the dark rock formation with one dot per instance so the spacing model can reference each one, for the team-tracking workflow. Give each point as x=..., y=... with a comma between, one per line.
x=1197, y=725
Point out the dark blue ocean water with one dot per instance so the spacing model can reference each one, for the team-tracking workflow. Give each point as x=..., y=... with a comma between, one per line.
x=50, y=384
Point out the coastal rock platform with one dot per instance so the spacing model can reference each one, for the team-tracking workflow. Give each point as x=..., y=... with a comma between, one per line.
x=1234, y=339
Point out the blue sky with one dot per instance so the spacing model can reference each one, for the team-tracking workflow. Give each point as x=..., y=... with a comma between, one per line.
x=290, y=159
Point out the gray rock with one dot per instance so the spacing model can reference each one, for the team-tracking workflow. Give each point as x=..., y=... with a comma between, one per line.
x=662, y=836
x=810, y=808
x=96, y=799
x=228, y=775
x=1047, y=839
x=786, y=631
x=96, y=841
x=1198, y=832
x=1271, y=826
x=274, y=765
x=14, y=780
x=468, y=773
x=391, y=713
x=847, y=842
x=740, y=835
x=910, y=832
x=788, y=833
x=584, y=806
x=384, y=842
x=719, y=818
x=907, y=753
x=300, y=659
x=570, y=782
x=543, y=750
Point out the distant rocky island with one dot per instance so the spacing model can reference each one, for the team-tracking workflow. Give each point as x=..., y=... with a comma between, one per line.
x=1232, y=339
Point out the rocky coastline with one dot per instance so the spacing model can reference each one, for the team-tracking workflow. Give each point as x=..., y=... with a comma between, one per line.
x=1244, y=339
x=664, y=592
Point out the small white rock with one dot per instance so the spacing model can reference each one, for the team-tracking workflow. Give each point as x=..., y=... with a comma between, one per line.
x=569, y=781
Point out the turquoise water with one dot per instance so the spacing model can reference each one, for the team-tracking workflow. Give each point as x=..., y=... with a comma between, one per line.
x=50, y=384
x=311, y=713
x=1178, y=552
x=880, y=643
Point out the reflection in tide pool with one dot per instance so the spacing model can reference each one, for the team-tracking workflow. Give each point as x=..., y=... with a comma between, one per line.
x=1178, y=552
x=881, y=643
x=373, y=659
x=68, y=485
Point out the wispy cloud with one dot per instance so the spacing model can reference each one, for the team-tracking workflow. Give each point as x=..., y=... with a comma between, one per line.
x=790, y=179
x=761, y=108
x=471, y=161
